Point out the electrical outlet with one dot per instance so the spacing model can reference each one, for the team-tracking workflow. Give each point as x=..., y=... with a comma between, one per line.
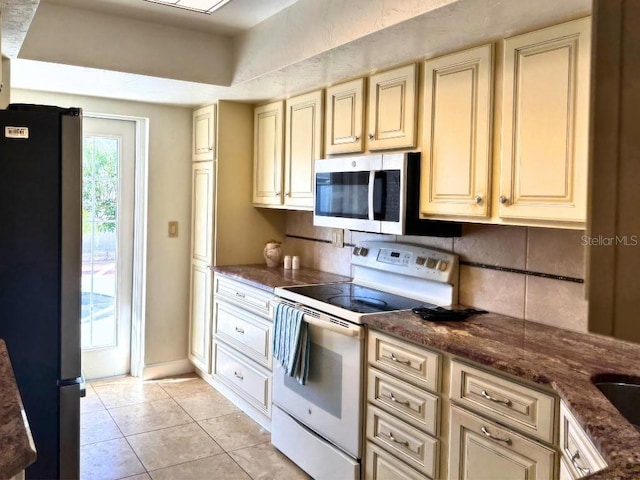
x=337, y=237
x=173, y=229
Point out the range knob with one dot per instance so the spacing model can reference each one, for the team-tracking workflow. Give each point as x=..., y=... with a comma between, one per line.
x=431, y=262
x=443, y=265
x=420, y=260
x=356, y=251
x=364, y=252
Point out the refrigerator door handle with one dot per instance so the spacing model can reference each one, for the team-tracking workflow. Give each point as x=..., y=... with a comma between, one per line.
x=70, y=431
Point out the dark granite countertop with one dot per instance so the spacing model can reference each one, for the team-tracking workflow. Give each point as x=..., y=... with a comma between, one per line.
x=564, y=361
x=17, y=450
x=268, y=278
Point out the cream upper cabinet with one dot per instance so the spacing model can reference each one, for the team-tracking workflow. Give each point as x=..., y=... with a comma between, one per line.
x=303, y=145
x=202, y=185
x=545, y=124
x=204, y=131
x=392, y=109
x=344, y=118
x=456, y=156
x=267, y=155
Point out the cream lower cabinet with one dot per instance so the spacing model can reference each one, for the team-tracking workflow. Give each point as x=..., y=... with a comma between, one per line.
x=456, y=154
x=481, y=449
x=403, y=410
x=241, y=351
x=580, y=457
x=475, y=424
x=545, y=124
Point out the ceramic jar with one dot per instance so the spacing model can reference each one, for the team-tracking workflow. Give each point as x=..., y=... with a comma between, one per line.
x=273, y=253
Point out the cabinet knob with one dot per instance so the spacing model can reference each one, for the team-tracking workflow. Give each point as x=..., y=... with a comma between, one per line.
x=478, y=199
x=371, y=136
x=503, y=200
x=277, y=194
x=356, y=138
x=287, y=194
x=210, y=148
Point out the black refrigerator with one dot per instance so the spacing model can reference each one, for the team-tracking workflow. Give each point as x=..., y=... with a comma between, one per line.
x=40, y=275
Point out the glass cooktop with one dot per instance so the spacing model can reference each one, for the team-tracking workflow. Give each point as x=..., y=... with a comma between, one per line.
x=357, y=298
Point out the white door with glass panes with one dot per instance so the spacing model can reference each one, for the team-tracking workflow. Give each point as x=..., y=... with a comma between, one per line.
x=107, y=245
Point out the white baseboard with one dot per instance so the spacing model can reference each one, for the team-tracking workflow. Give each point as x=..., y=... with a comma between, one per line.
x=166, y=369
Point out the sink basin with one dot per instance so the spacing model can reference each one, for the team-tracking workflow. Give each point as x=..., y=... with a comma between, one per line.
x=625, y=397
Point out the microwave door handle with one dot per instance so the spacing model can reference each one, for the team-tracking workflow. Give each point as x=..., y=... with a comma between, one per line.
x=372, y=183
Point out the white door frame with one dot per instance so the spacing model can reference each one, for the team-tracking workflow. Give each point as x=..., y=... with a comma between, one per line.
x=139, y=285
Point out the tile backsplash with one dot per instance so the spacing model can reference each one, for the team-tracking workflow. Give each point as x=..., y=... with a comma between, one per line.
x=524, y=272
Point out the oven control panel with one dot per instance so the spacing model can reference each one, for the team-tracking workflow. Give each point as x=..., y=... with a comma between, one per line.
x=406, y=259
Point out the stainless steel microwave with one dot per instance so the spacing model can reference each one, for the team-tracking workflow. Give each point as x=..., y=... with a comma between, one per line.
x=374, y=193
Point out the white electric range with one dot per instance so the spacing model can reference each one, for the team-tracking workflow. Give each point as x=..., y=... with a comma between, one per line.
x=319, y=425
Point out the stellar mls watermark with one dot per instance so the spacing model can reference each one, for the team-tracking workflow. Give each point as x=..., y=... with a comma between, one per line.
x=603, y=241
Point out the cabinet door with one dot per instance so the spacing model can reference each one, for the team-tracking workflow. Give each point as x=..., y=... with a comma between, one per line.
x=481, y=449
x=345, y=106
x=200, y=317
x=545, y=123
x=202, y=212
x=392, y=109
x=303, y=145
x=204, y=131
x=267, y=154
x=457, y=134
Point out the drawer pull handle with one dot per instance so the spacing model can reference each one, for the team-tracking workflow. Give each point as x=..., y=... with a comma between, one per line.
x=404, y=443
x=238, y=294
x=494, y=437
x=506, y=402
x=397, y=360
x=240, y=330
x=237, y=375
x=574, y=460
x=401, y=402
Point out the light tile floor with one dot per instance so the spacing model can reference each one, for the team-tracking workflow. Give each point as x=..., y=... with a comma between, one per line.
x=172, y=429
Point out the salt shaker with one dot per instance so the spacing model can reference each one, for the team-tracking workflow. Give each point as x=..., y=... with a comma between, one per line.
x=295, y=262
x=287, y=262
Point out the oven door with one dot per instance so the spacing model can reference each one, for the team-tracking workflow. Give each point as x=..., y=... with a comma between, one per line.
x=330, y=403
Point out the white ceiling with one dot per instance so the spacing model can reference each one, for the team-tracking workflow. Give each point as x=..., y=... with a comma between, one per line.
x=232, y=19
x=252, y=50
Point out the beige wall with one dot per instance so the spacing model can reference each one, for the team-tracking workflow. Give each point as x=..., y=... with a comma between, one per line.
x=169, y=176
x=547, y=251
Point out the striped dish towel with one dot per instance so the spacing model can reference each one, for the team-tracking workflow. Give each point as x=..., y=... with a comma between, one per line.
x=291, y=342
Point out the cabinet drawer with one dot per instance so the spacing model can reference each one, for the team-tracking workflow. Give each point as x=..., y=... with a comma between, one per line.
x=250, y=382
x=409, y=362
x=581, y=456
x=248, y=333
x=408, y=403
x=405, y=442
x=381, y=465
x=248, y=297
x=482, y=449
x=529, y=410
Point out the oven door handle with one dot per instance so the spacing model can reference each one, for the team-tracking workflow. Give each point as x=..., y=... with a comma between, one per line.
x=347, y=330
x=372, y=183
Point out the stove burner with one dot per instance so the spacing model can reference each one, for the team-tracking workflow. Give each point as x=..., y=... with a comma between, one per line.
x=356, y=304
